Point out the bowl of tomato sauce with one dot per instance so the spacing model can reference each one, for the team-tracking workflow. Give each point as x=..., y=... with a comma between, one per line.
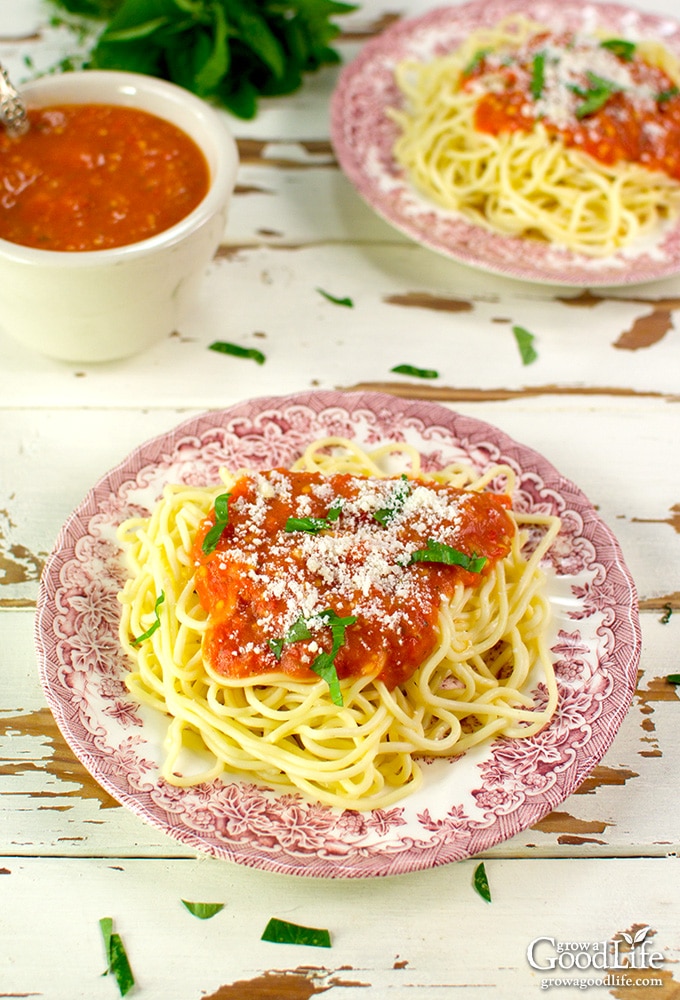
x=112, y=204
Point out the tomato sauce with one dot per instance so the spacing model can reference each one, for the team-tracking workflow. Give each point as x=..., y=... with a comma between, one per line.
x=263, y=579
x=638, y=122
x=95, y=176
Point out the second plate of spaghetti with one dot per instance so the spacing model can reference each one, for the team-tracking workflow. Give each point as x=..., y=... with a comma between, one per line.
x=541, y=147
x=326, y=773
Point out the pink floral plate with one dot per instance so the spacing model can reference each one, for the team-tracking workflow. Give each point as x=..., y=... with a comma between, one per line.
x=363, y=138
x=465, y=805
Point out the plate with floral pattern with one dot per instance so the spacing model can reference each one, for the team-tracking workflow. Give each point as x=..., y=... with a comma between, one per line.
x=363, y=137
x=465, y=805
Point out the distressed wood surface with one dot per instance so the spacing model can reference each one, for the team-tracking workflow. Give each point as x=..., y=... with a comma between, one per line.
x=602, y=402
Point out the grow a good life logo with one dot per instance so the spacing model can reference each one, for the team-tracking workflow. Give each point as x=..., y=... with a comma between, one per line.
x=619, y=961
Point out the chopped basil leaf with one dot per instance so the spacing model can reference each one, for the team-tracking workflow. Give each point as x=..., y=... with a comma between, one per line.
x=667, y=95
x=416, y=372
x=284, y=932
x=117, y=963
x=440, y=552
x=481, y=882
x=673, y=678
x=224, y=347
x=324, y=664
x=213, y=536
x=204, y=911
x=313, y=525
x=596, y=96
x=385, y=514
x=537, y=75
x=476, y=61
x=620, y=47
x=335, y=300
x=525, y=342
x=157, y=624
x=667, y=612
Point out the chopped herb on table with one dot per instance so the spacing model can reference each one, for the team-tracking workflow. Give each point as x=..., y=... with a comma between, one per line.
x=673, y=678
x=415, y=372
x=117, y=963
x=284, y=932
x=481, y=882
x=525, y=342
x=236, y=351
x=335, y=300
x=667, y=612
x=204, y=911
x=233, y=52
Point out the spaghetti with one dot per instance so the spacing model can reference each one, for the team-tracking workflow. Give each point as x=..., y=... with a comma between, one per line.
x=566, y=138
x=299, y=681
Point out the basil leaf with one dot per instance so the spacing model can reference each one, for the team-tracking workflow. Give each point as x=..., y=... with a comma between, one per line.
x=313, y=525
x=213, y=536
x=336, y=301
x=440, y=552
x=667, y=612
x=324, y=664
x=416, y=372
x=224, y=347
x=537, y=75
x=525, y=342
x=673, y=678
x=598, y=93
x=284, y=932
x=476, y=61
x=204, y=911
x=621, y=47
x=276, y=646
x=385, y=514
x=481, y=882
x=667, y=95
x=156, y=625
x=298, y=631
x=117, y=963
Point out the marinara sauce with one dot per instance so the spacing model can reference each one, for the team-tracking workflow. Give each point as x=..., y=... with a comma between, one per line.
x=95, y=176
x=614, y=107
x=349, y=551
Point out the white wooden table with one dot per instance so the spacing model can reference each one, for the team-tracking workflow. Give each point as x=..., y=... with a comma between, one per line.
x=602, y=402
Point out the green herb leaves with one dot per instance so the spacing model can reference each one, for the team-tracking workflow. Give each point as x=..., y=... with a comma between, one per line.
x=525, y=342
x=284, y=932
x=415, y=372
x=314, y=525
x=440, y=552
x=117, y=963
x=236, y=351
x=537, y=76
x=204, y=911
x=621, y=47
x=156, y=624
x=213, y=536
x=595, y=96
x=481, y=882
x=324, y=664
x=346, y=301
x=234, y=51
x=385, y=514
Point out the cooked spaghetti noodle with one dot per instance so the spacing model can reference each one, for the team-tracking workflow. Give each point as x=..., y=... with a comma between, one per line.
x=564, y=138
x=287, y=731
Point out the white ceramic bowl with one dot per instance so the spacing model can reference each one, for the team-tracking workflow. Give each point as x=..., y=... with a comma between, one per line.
x=100, y=305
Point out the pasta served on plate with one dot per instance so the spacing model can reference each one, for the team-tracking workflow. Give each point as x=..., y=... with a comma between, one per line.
x=560, y=136
x=326, y=628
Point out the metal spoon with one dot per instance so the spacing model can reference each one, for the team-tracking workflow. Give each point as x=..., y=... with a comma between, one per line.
x=12, y=109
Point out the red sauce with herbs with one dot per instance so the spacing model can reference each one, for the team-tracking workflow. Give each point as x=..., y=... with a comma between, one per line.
x=95, y=176
x=637, y=122
x=262, y=579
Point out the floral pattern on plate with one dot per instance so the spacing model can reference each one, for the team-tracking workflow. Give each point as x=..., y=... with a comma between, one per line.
x=363, y=138
x=466, y=805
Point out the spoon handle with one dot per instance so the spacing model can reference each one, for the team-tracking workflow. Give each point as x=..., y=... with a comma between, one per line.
x=12, y=109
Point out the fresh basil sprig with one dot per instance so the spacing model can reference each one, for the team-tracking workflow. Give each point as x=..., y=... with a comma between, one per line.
x=233, y=51
x=213, y=536
x=440, y=552
x=324, y=664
